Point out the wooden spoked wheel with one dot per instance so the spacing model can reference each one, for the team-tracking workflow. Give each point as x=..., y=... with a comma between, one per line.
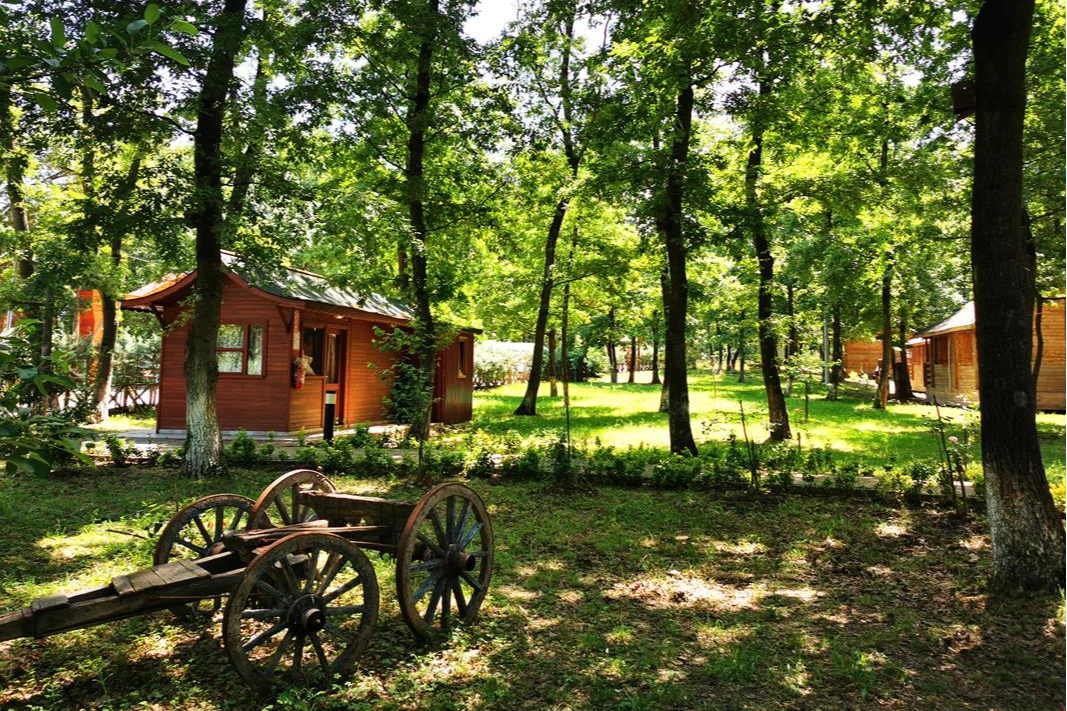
x=444, y=560
x=303, y=613
x=196, y=532
x=280, y=504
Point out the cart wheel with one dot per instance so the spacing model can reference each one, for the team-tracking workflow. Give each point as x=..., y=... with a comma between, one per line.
x=196, y=532
x=304, y=612
x=278, y=504
x=444, y=559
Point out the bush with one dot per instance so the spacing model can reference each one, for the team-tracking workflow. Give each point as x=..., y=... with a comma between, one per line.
x=676, y=472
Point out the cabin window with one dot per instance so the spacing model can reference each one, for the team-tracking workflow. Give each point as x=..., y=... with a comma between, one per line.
x=240, y=349
x=314, y=340
x=462, y=358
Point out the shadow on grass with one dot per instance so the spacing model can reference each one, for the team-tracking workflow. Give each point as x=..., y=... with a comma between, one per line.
x=634, y=599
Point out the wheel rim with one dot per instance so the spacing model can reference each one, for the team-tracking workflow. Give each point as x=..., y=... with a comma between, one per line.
x=196, y=532
x=280, y=504
x=445, y=560
x=304, y=612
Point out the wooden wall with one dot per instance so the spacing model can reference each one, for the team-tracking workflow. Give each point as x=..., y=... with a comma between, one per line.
x=862, y=357
x=454, y=382
x=1051, y=380
x=252, y=402
x=365, y=386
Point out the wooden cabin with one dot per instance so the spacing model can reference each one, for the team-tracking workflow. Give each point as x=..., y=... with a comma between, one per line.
x=950, y=362
x=862, y=357
x=285, y=343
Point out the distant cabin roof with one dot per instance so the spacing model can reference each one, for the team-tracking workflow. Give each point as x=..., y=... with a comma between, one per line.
x=286, y=283
x=959, y=321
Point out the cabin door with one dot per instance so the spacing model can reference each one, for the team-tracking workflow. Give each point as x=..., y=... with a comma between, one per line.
x=333, y=368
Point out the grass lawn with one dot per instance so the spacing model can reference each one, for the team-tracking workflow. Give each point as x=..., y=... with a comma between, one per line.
x=624, y=415
x=618, y=599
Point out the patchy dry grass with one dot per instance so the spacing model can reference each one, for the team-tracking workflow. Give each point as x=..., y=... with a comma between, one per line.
x=619, y=599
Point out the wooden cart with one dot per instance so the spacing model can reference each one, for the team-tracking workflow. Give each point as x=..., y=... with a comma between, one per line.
x=302, y=595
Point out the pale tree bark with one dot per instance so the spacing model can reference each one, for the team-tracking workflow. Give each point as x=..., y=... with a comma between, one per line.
x=203, y=441
x=1026, y=531
x=655, y=348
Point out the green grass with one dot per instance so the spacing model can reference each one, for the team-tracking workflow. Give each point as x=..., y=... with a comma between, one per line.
x=624, y=415
x=618, y=599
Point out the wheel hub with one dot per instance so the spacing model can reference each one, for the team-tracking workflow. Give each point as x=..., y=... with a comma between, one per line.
x=458, y=561
x=307, y=614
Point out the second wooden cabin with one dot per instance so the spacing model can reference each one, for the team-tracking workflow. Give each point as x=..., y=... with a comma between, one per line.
x=270, y=328
x=945, y=358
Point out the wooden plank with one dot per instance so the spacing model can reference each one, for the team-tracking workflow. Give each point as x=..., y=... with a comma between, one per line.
x=122, y=584
x=49, y=604
x=145, y=580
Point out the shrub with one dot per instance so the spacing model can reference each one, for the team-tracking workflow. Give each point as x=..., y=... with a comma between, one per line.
x=676, y=472
x=242, y=450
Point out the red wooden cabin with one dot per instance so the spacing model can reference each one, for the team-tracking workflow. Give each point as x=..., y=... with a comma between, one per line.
x=268, y=327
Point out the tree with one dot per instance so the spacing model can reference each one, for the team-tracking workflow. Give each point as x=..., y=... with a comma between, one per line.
x=203, y=443
x=1026, y=532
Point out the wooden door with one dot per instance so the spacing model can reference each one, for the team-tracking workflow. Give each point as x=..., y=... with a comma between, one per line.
x=333, y=357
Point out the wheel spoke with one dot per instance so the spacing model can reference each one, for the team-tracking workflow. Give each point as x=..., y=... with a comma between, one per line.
x=463, y=517
x=435, y=598
x=236, y=519
x=312, y=571
x=469, y=536
x=461, y=602
x=345, y=610
x=428, y=565
x=450, y=512
x=358, y=580
x=220, y=521
x=263, y=635
x=199, y=550
x=446, y=604
x=423, y=538
x=262, y=614
x=430, y=582
x=472, y=582
x=273, y=591
x=203, y=529
x=340, y=634
x=298, y=655
x=292, y=580
x=435, y=519
x=329, y=571
x=295, y=492
x=286, y=521
x=272, y=663
x=320, y=653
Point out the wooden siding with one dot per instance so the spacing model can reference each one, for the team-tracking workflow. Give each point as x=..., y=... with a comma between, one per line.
x=252, y=402
x=862, y=357
x=366, y=388
x=454, y=382
x=916, y=366
x=1051, y=380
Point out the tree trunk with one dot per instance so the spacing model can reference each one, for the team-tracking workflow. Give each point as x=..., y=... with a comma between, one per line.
x=793, y=341
x=1026, y=531
x=882, y=397
x=655, y=348
x=777, y=412
x=676, y=309
x=740, y=355
x=203, y=441
x=901, y=376
x=613, y=359
x=553, y=388
x=664, y=391
x=837, y=349
x=528, y=406
x=633, y=359
x=109, y=308
x=417, y=121
x=1039, y=340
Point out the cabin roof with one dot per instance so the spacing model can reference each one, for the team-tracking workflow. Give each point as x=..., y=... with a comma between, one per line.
x=959, y=321
x=287, y=283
